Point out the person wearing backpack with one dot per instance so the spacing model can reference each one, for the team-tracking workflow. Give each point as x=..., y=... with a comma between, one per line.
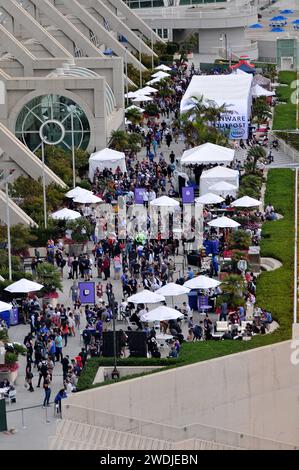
x=43, y=372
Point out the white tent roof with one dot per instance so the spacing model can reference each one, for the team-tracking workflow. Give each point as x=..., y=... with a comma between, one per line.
x=220, y=172
x=232, y=89
x=172, y=290
x=24, y=286
x=65, y=214
x=208, y=153
x=4, y=307
x=222, y=186
x=161, y=313
x=153, y=81
x=131, y=94
x=258, y=90
x=149, y=89
x=146, y=297
x=141, y=98
x=160, y=74
x=164, y=201
x=223, y=222
x=135, y=107
x=246, y=201
x=106, y=158
x=209, y=198
x=202, y=282
x=163, y=67
x=75, y=192
x=89, y=198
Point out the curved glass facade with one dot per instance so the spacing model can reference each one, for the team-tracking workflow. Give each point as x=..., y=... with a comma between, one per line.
x=58, y=117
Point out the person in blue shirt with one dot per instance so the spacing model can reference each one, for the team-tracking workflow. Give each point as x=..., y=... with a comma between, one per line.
x=60, y=395
x=190, y=273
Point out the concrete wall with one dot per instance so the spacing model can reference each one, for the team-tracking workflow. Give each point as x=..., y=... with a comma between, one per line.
x=254, y=392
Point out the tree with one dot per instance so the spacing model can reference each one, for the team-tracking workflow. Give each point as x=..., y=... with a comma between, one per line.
x=256, y=154
x=21, y=237
x=134, y=116
x=260, y=110
x=133, y=140
x=119, y=140
x=49, y=276
x=234, y=289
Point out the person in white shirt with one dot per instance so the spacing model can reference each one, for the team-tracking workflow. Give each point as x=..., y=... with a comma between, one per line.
x=145, y=198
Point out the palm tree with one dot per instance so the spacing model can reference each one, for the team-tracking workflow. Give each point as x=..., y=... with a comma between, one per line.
x=134, y=116
x=234, y=288
x=261, y=111
x=119, y=140
x=256, y=154
x=133, y=140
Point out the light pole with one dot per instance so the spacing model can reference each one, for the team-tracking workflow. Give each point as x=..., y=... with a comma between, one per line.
x=72, y=109
x=223, y=35
x=140, y=57
x=44, y=185
x=152, y=47
x=6, y=181
x=115, y=373
x=126, y=73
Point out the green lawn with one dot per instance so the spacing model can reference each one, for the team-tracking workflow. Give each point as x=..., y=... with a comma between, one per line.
x=274, y=289
x=285, y=114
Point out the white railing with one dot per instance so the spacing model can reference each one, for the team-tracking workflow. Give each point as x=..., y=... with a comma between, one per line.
x=183, y=12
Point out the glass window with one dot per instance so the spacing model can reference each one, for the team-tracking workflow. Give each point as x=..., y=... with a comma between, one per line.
x=50, y=109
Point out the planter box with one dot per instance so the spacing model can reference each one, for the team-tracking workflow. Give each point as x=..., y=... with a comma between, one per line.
x=10, y=376
x=75, y=249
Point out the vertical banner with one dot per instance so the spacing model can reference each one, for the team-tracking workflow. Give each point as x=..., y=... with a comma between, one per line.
x=188, y=195
x=139, y=195
x=87, y=293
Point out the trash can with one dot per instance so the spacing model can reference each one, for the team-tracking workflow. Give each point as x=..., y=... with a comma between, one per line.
x=3, y=422
x=192, y=299
x=6, y=317
x=14, y=316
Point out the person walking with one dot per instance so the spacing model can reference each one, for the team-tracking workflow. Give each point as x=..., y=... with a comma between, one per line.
x=29, y=376
x=47, y=389
x=58, y=344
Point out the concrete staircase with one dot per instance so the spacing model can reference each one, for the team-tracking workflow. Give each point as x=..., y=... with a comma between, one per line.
x=73, y=435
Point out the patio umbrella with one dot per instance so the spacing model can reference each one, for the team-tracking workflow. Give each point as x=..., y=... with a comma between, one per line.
x=23, y=286
x=224, y=222
x=165, y=201
x=256, y=26
x=209, y=198
x=246, y=201
x=160, y=314
x=287, y=12
x=140, y=110
x=76, y=192
x=160, y=75
x=202, y=282
x=278, y=18
x=4, y=307
x=172, y=290
x=222, y=187
x=153, y=81
x=277, y=30
x=146, y=297
x=65, y=214
x=149, y=89
x=88, y=198
x=295, y=22
x=131, y=94
x=164, y=68
x=140, y=98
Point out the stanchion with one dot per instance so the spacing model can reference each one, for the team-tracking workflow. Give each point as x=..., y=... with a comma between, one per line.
x=23, y=421
x=46, y=410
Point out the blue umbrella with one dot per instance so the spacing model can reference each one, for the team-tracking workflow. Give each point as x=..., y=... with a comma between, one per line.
x=277, y=30
x=295, y=22
x=287, y=12
x=278, y=18
x=255, y=26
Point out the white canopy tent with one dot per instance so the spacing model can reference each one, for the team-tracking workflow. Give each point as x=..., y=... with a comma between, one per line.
x=148, y=89
x=258, y=90
x=146, y=297
x=65, y=214
x=209, y=198
x=224, y=189
x=202, y=282
x=208, y=153
x=87, y=199
x=160, y=314
x=246, y=201
x=142, y=98
x=75, y=192
x=224, y=222
x=172, y=290
x=165, y=201
x=160, y=74
x=5, y=307
x=153, y=81
x=106, y=158
x=215, y=175
x=234, y=90
x=140, y=110
x=24, y=286
x=163, y=67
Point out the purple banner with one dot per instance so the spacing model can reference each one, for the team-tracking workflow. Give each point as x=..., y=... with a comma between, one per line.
x=139, y=195
x=188, y=195
x=87, y=294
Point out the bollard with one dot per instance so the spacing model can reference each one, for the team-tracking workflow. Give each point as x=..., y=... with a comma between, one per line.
x=47, y=420
x=23, y=421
